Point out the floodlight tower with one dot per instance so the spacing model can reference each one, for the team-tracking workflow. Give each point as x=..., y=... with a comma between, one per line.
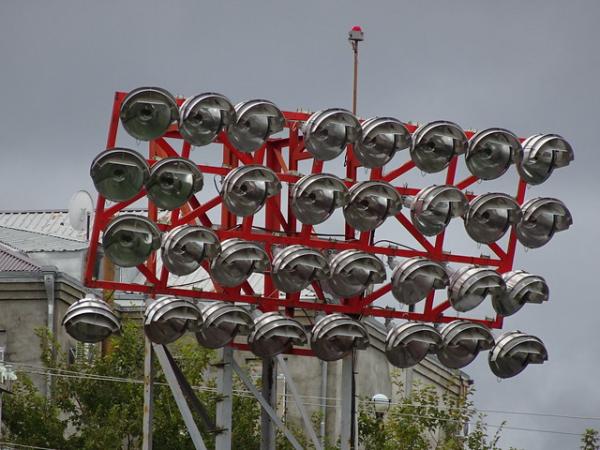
x=355, y=35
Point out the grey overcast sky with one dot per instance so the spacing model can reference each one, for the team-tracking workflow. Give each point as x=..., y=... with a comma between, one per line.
x=529, y=66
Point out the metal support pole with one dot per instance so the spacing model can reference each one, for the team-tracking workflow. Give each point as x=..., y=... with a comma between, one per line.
x=266, y=406
x=308, y=426
x=148, y=395
x=225, y=403
x=179, y=397
x=269, y=393
x=348, y=412
x=355, y=79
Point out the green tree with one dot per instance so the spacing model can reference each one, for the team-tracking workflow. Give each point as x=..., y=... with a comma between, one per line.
x=589, y=440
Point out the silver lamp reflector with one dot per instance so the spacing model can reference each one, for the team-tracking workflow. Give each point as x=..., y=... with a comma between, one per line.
x=129, y=240
x=246, y=189
x=90, y=320
x=433, y=207
x=514, y=351
x=542, y=218
x=435, y=144
x=408, y=344
x=274, y=333
x=119, y=174
x=168, y=318
x=147, y=113
x=296, y=267
x=371, y=202
x=542, y=153
x=186, y=246
x=470, y=285
x=315, y=197
x=381, y=138
x=221, y=323
x=336, y=335
x=521, y=288
x=489, y=216
x=352, y=272
x=202, y=117
x=415, y=278
x=461, y=343
x=237, y=261
x=328, y=132
x=172, y=182
x=255, y=121
x=491, y=152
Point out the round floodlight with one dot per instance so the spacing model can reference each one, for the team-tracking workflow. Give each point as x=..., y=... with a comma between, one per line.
x=491, y=152
x=371, y=202
x=470, y=285
x=90, y=320
x=521, y=288
x=274, y=334
x=435, y=144
x=381, y=138
x=296, y=267
x=237, y=261
x=203, y=117
x=119, y=174
x=147, y=113
x=255, y=121
x=221, y=323
x=408, y=344
x=328, y=132
x=186, y=246
x=432, y=208
x=381, y=404
x=353, y=271
x=168, y=318
x=461, y=343
x=315, y=197
x=172, y=182
x=336, y=335
x=514, y=351
x=416, y=278
x=489, y=216
x=129, y=240
x=246, y=189
x=542, y=153
x=542, y=218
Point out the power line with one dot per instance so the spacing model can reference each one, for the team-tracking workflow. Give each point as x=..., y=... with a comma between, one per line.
x=14, y=444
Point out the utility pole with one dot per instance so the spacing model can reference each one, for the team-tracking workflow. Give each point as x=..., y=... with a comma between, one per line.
x=355, y=36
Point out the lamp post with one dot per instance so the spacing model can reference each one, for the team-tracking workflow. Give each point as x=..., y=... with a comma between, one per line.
x=381, y=405
x=355, y=35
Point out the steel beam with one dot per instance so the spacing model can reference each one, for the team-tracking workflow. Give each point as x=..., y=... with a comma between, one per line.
x=225, y=402
x=178, y=395
x=148, y=395
x=348, y=412
x=265, y=405
x=308, y=425
x=269, y=394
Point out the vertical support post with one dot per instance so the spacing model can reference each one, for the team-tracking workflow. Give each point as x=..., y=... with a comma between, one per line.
x=348, y=413
x=148, y=395
x=269, y=393
x=225, y=403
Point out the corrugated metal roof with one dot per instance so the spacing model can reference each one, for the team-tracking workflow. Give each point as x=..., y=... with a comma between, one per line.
x=51, y=222
x=31, y=241
x=12, y=261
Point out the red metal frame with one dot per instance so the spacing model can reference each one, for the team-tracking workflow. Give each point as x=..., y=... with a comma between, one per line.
x=283, y=228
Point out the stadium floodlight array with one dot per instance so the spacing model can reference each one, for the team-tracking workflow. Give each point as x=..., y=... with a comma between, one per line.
x=348, y=271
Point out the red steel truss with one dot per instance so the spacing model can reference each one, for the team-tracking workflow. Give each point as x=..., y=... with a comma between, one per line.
x=283, y=155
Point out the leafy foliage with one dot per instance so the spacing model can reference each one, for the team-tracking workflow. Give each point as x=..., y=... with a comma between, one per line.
x=589, y=440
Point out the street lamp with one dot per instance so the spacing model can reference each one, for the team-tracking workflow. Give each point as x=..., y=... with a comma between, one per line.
x=381, y=405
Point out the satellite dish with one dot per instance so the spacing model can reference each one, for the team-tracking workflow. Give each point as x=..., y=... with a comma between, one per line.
x=81, y=207
x=336, y=335
x=408, y=344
